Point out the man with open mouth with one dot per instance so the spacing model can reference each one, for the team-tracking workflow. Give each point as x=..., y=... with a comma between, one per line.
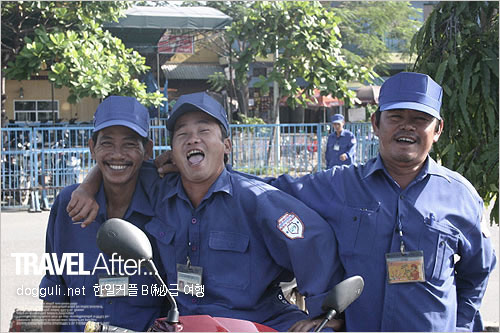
x=236, y=237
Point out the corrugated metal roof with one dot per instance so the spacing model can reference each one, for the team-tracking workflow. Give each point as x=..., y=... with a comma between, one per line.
x=190, y=71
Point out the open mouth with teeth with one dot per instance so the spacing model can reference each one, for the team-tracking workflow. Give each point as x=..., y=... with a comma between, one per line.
x=117, y=167
x=195, y=156
x=406, y=140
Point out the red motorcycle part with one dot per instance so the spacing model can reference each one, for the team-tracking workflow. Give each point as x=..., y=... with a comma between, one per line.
x=205, y=323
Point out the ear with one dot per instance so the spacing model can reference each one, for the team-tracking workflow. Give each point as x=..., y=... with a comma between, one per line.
x=92, y=147
x=437, y=134
x=373, y=119
x=148, y=150
x=228, y=146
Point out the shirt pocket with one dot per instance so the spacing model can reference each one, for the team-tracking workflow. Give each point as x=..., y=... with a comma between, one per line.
x=228, y=259
x=357, y=229
x=439, y=243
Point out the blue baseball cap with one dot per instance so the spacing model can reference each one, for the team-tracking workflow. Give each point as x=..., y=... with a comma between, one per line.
x=337, y=118
x=200, y=101
x=123, y=111
x=414, y=91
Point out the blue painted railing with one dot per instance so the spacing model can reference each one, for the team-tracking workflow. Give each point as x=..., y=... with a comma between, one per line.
x=37, y=162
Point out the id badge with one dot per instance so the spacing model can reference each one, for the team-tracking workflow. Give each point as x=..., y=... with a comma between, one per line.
x=336, y=147
x=113, y=286
x=405, y=267
x=188, y=277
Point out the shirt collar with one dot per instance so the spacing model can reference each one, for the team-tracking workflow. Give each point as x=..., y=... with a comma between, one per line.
x=140, y=202
x=430, y=167
x=173, y=184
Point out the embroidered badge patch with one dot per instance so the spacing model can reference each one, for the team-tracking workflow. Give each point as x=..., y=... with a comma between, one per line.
x=291, y=226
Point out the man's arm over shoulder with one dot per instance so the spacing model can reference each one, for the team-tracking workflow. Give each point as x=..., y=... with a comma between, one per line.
x=310, y=243
x=315, y=190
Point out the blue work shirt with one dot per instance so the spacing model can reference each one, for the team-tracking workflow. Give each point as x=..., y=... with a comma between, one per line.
x=133, y=312
x=439, y=213
x=247, y=236
x=345, y=143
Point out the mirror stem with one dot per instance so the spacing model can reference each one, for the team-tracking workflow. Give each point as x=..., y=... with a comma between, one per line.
x=173, y=313
x=329, y=315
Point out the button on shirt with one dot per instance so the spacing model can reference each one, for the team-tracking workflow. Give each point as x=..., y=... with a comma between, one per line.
x=440, y=214
x=345, y=143
x=134, y=312
x=235, y=237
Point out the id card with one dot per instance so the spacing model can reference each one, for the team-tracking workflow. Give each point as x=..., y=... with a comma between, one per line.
x=336, y=147
x=188, y=277
x=113, y=286
x=405, y=267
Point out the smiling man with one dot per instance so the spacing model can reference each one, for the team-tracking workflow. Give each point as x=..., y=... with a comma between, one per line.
x=119, y=145
x=236, y=237
x=410, y=227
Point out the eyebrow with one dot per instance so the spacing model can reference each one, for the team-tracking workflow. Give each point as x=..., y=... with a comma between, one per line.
x=201, y=121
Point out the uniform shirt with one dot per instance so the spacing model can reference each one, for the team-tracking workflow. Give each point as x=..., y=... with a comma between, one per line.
x=440, y=213
x=338, y=145
x=235, y=236
x=133, y=312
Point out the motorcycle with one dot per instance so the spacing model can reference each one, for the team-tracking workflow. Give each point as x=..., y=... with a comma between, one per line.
x=128, y=241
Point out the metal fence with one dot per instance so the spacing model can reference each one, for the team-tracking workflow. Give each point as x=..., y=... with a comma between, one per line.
x=37, y=162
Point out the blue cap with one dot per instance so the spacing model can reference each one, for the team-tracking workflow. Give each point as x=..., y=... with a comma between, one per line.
x=123, y=111
x=200, y=101
x=337, y=118
x=412, y=91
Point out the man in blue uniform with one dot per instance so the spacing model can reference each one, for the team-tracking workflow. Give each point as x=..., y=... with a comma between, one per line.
x=341, y=145
x=410, y=227
x=236, y=237
x=100, y=289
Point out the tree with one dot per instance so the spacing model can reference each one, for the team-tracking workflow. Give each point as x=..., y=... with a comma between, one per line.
x=66, y=39
x=367, y=26
x=458, y=47
x=308, y=40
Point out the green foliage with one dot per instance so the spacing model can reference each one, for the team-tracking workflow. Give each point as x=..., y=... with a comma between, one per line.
x=264, y=171
x=366, y=26
x=66, y=39
x=458, y=47
x=308, y=40
x=245, y=120
x=217, y=81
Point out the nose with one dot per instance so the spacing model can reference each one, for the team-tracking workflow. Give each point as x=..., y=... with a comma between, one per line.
x=193, y=139
x=408, y=124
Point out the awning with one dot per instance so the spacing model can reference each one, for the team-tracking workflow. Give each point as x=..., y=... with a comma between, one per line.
x=143, y=26
x=368, y=94
x=318, y=100
x=190, y=71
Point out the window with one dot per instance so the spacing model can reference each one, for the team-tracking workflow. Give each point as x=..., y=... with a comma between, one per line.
x=35, y=110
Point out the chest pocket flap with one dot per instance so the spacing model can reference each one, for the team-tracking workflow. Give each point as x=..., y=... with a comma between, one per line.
x=228, y=241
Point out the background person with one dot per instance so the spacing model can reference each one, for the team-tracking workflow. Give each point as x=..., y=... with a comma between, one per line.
x=119, y=145
x=341, y=145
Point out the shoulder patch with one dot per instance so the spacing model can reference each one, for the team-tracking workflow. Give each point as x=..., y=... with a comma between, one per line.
x=291, y=226
x=353, y=140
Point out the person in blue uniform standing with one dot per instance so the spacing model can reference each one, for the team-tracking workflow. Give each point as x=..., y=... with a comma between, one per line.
x=102, y=290
x=236, y=237
x=341, y=145
x=409, y=226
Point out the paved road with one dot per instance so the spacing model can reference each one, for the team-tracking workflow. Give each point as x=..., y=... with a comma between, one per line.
x=25, y=232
